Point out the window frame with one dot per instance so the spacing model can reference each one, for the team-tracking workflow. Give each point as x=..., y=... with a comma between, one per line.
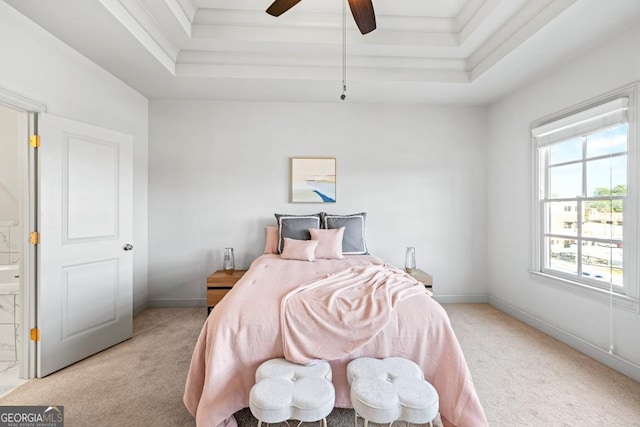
x=628, y=295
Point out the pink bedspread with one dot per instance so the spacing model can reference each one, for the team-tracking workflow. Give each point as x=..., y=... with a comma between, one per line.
x=244, y=330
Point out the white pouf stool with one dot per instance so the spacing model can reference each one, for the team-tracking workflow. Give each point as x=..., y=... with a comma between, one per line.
x=286, y=391
x=386, y=390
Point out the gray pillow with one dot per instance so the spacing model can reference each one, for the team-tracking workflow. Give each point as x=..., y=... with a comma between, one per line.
x=353, y=242
x=295, y=227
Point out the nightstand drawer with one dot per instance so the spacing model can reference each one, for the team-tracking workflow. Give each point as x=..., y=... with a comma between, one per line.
x=214, y=296
x=219, y=283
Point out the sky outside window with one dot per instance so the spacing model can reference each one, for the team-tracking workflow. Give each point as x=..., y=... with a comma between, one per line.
x=566, y=180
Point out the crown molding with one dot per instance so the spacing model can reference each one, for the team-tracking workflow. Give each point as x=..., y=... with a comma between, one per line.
x=139, y=22
x=522, y=25
x=332, y=21
x=183, y=16
x=247, y=41
x=327, y=59
x=318, y=73
x=468, y=12
x=189, y=7
x=475, y=15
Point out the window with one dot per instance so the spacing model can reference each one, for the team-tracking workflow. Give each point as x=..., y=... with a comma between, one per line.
x=582, y=197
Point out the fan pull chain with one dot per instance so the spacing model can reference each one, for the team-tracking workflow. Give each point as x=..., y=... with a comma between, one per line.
x=344, y=50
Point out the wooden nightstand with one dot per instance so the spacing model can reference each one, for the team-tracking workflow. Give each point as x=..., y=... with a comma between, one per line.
x=218, y=284
x=423, y=277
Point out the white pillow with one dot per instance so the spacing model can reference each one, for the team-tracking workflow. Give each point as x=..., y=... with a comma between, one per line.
x=301, y=250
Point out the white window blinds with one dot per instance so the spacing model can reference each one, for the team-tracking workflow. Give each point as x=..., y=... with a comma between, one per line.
x=584, y=122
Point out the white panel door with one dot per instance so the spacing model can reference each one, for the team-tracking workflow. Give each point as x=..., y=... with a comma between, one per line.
x=85, y=269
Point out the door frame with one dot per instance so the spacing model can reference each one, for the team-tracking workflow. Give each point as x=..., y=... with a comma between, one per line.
x=28, y=125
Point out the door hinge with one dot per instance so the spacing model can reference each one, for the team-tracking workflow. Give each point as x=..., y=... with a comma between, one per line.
x=34, y=238
x=34, y=141
x=35, y=334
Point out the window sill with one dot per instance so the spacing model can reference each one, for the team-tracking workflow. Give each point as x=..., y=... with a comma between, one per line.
x=601, y=295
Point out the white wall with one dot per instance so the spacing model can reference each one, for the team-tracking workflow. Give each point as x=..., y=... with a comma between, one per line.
x=219, y=170
x=38, y=66
x=9, y=173
x=578, y=320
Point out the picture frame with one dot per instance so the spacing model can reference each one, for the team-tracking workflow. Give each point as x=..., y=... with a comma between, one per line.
x=313, y=180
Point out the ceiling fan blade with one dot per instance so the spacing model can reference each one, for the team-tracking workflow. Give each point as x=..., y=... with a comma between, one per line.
x=363, y=14
x=279, y=7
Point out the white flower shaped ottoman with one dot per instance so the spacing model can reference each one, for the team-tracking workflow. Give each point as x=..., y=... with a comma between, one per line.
x=286, y=390
x=386, y=390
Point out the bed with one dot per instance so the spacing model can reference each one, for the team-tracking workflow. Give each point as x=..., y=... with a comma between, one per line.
x=246, y=329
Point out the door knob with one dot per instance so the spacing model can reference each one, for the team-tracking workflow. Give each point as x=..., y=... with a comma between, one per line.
x=127, y=247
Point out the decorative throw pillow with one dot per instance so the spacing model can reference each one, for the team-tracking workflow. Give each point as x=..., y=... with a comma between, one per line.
x=354, y=242
x=301, y=250
x=329, y=243
x=295, y=227
x=271, y=240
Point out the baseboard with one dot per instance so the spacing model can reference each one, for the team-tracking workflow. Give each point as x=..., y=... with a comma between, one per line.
x=616, y=363
x=180, y=302
x=461, y=299
x=140, y=308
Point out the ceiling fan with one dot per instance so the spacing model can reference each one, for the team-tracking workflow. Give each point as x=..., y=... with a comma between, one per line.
x=362, y=11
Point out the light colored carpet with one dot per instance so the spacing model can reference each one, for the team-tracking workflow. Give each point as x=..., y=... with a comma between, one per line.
x=526, y=378
x=523, y=377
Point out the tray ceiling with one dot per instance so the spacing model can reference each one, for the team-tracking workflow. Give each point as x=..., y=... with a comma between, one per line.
x=458, y=51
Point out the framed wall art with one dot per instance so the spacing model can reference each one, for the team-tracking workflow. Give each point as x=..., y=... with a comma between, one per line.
x=313, y=180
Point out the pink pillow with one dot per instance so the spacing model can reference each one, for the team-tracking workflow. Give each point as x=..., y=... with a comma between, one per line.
x=329, y=242
x=271, y=241
x=302, y=250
